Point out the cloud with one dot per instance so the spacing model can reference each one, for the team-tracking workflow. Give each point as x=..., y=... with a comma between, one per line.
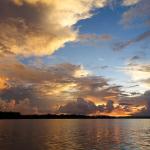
x=146, y=110
x=80, y=107
x=140, y=103
x=134, y=58
x=109, y=106
x=12, y=68
x=40, y=27
x=62, y=76
x=47, y=87
x=139, y=73
x=3, y=83
x=36, y=95
x=140, y=11
x=121, y=45
x=130, y=2
x=146, y=81
x=23, y=106
x=96, y=3
x=88, y=37
x=85, y=107
x=52, y=88
x=93, y=39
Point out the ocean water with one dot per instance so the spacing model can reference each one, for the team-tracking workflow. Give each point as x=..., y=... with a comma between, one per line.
x=77, y=134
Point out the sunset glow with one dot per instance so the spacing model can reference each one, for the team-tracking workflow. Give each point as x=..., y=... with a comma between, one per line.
x=83, y=57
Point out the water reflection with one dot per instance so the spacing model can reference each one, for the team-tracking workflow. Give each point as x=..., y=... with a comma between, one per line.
x=75, y=134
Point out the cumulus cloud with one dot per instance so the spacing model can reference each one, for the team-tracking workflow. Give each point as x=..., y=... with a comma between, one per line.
x=85, y=107
x=40, y=27
x=64, y=76
x=23, y=106
x=52, y=88
x=37, y=96
x=80, y=107
x=49, y=86
x=14, y=69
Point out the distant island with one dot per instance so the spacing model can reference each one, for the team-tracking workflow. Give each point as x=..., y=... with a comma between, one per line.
x=17, y=115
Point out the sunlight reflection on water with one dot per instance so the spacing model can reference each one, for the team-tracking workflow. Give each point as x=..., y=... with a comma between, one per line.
x=105, y=134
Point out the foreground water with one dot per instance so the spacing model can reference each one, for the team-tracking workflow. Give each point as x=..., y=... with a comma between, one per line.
x=105, y=134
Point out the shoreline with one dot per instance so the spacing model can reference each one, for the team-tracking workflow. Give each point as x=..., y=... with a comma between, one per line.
x=17, y=115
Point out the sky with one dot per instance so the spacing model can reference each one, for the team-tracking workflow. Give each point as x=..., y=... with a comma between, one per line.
x=87, y=57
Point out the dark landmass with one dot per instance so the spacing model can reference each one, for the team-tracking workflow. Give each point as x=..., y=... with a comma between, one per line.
x=17, y=115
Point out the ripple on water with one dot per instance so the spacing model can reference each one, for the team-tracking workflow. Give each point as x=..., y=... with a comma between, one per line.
x=75, y=134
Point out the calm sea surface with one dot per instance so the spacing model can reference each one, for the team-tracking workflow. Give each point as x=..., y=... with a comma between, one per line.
x=123, y=134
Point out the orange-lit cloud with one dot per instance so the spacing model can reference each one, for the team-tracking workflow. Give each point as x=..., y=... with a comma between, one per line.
x=23, y=106
x=122, y=111
x=85, y=107
x=3, y=83
x=47, y=88
x=96, y=100
x=53, y=85
x=40, y=27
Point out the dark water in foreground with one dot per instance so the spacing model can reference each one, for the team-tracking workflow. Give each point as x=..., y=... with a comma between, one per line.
x=105, y=134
